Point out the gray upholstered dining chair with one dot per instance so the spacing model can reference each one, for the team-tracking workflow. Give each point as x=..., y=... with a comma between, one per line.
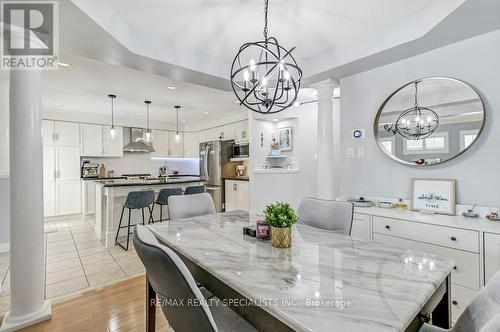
x=187, y=206
x=326, y=214
x=482, y=314
x=173, y=283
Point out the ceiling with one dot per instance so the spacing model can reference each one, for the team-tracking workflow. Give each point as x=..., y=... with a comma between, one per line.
x=204, y=35
x=218, y=28
x=85, y=86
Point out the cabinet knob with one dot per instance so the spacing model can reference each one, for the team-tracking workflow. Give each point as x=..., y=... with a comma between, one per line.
x=453, y=238
x=454, y=302
x=455, y=268
x=387, y=227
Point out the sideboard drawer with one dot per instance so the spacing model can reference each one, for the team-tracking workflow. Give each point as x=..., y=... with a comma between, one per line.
x=466, y=271
x=439, y=235
x=460, y=299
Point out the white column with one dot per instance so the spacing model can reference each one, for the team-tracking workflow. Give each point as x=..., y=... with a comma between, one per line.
x=324, y=179
x=27, y=304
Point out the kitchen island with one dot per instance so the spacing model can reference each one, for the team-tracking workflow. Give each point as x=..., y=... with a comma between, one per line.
x=111, y=194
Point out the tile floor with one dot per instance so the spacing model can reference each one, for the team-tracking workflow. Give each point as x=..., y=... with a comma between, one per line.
x=75, y=260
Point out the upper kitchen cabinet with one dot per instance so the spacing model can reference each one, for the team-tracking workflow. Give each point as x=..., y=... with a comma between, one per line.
x=191, y=145
x=230, y=132
x=48, y=132
x=92, y=144
x=60, y=133
x=160, y=143
x=112, y=147
x=96, y=141
x=175, y=149
x=241, y=131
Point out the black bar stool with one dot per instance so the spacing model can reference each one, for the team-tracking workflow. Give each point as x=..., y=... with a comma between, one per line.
x=194, y=190
x=162, y=199
x=135, y=200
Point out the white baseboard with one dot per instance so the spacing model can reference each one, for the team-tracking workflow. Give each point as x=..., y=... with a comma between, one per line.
x=4, y=247
x=10, y=325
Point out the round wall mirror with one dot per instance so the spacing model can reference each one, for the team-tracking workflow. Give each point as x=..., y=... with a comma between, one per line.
x=429, y=121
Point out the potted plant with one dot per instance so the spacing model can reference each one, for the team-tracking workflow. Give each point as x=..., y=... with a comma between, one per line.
x=281, y=216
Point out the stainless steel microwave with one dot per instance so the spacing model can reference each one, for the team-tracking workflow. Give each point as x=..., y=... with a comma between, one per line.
x=241, y=150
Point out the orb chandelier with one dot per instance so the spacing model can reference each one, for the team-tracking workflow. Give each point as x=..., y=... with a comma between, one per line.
x=265, y=76
x=416, y=122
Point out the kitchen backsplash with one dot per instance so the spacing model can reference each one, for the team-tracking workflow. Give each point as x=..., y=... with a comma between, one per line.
x=132, y=163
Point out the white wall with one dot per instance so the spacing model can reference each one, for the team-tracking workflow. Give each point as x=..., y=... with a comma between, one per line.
x=267, y=188
x=476, y=61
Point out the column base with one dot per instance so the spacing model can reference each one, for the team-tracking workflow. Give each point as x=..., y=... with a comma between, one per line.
x=18, y=323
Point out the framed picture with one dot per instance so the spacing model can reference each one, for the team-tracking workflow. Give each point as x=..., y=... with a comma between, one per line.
x=433, y=195
x=285, y=138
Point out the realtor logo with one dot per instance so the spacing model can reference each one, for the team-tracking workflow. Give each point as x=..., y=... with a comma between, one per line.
x=30, y=35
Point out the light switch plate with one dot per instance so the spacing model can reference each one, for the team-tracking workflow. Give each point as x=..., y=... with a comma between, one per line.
x=361, y=152
x=350, y=153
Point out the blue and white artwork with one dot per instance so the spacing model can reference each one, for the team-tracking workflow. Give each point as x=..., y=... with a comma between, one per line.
x=434, y=195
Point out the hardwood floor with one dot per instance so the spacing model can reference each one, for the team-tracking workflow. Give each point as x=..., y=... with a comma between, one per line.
x=118, y=307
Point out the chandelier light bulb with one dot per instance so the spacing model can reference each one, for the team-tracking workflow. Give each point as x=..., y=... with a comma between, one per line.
x=246, y=75
x=286, y=75
x=264, y=81
x=252, y=64
x=417, y=119
x=429, y=119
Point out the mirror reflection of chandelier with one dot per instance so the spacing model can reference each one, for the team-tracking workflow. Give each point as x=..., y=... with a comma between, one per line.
x=416, y=122
x=264, y=75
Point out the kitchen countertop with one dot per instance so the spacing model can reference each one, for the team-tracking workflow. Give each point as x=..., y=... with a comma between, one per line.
x=385, y=289
x=236, y=178
x=142, y=182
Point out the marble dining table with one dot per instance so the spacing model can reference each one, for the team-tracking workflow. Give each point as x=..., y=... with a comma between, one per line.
x=324, y=282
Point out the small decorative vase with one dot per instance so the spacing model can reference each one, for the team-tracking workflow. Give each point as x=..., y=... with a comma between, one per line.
x=281, y=237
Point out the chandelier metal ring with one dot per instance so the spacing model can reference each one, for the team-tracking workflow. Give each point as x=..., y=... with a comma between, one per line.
x=269, y=84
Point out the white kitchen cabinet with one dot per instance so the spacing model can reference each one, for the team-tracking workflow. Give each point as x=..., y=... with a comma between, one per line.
x=49, y=198
x=67, y=133
x=48, y=132
x=160, y=143
x=112, y=147
x=191, y=145
x=236, y=195
x=491, y=255
x=89, y=198
x=361, y=227
x=49, y=180
x=68, y=197
x=49, y=163
x=175, y=149
x=60, y=133
x=230, y=131
x=61, y=185
x=241, y=131
x=67, y=163
x=92, y=143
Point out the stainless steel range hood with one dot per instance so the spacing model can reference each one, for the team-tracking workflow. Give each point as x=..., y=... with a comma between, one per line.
x=136, y=142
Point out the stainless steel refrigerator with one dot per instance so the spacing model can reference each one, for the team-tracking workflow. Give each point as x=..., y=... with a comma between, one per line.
x=214, y=155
